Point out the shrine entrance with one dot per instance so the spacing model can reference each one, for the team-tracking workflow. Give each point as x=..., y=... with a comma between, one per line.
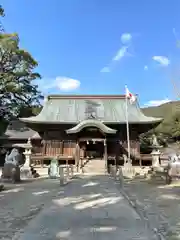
x=93, y=148
x=91, y=139
x=91, y=142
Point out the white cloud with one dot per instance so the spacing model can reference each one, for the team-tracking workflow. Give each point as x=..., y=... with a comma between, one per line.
x=164, y=61
x=126, y=38
x=105, y=70
x=62, y=83
x=154, y=103
x=145, y=67
x=67, y=84
x=121, y=53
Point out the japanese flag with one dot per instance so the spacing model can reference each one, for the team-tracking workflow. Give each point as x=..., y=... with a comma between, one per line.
x=130, y=96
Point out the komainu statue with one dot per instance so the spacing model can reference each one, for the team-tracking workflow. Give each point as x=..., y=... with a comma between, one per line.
x=173, y=168
x=11, y=169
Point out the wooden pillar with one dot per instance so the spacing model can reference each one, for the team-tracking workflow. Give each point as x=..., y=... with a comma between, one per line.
x=105, y=155
x=61, y=147
x=44, y=148
x=77, y=156
x=116, y=155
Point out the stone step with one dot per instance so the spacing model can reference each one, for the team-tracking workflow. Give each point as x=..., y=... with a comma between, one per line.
x=95, y=166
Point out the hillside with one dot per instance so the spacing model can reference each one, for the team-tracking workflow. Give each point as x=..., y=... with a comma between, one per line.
x=163, y=110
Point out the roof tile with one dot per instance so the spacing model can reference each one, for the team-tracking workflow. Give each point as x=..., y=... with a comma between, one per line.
x=110, y=109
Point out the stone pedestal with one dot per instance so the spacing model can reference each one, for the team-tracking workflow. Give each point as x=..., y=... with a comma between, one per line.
x=155, y=158
x=11, y=171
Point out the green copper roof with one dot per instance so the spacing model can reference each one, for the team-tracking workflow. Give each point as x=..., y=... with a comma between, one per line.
x=74, y=109
x=91, y=123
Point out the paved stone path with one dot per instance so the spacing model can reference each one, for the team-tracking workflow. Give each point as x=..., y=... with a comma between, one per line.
x=90, y=207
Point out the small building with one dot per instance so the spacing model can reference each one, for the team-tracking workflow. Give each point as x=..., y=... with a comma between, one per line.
x=18, y=133
x=77, y=126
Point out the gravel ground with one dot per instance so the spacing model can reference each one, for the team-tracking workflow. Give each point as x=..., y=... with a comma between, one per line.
x=22, y=202
x=159, y=203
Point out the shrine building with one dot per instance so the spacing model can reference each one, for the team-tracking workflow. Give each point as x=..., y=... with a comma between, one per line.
x=89, y=126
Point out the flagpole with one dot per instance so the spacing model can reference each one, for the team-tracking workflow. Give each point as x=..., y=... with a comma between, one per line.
x=127, y=128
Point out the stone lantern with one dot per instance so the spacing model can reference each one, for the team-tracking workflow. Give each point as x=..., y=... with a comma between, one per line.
x=26, y=169
x=155, y=152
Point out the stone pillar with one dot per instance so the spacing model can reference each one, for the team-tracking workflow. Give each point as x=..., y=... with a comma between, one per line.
x=81, y=165
x=72, y=170
x=114, y=171
x=67, y=171
x=155, y=158
x=61, y=173
x=121, y=178
x=110, y=168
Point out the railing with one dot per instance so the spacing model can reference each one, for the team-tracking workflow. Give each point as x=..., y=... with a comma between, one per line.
x=145, y=159
x=41, y=160
x=141, y=160
x=55, y=147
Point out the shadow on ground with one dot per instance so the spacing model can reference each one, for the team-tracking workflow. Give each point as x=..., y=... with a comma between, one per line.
x=91, y=207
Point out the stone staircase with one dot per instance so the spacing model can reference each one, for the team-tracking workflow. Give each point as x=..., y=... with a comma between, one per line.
x=95, y=166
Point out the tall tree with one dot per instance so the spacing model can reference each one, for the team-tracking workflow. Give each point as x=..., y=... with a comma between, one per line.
x=17, y=90
x=16, y=76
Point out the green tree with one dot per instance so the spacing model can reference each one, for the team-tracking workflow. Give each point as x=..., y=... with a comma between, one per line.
x=167, y=132
x=146, y=140
x=17, y=66
x=18, y=95
x=171, y=125
x=1, y=15
x=175, y=125
x=30, y=111
x=1, y=11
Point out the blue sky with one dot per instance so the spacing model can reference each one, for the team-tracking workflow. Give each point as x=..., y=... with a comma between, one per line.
x=99, y=46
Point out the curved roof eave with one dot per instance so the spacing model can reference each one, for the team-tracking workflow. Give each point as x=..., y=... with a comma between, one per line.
x=91, y=123
x=147, y=120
